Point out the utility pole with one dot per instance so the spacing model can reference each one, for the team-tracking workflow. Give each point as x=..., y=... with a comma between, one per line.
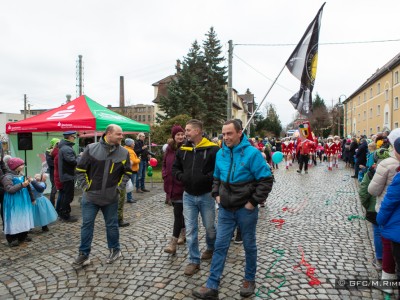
x=229, y=103
x=24, y=106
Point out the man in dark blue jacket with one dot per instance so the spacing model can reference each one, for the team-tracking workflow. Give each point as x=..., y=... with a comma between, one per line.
x=361, y=156
x=242, y=180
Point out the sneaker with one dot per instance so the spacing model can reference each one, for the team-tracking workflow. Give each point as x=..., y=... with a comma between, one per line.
x=14, y=243
x=208, y=254
x=238, y=239
x=247, y=288
x=205, y=293
x=298, y=171
x=377, y=263
x=139, y=191
x=131, y=201
x=191, y=269
x=82, y=260
x=114, y=255
x=45, y=228
x=144, y=190
x=27, y=239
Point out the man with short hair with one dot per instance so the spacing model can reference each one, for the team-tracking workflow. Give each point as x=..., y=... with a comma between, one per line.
x=66, y=169
x=242, y=180
x=194, y=167
x=142, y=152
x=102, y=173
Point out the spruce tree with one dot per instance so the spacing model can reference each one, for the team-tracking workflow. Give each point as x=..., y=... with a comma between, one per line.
x=215, y=95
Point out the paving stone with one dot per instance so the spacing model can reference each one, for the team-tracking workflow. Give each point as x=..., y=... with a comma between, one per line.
x=335, y=247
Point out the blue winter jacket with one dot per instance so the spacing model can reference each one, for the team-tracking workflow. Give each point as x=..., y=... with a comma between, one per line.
x=241, y=175
x=389, y=214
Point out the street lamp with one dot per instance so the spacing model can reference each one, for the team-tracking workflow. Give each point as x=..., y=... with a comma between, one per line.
x=340, y=105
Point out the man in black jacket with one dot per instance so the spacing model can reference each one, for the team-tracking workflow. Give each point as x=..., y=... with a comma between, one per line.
x=66, y=170
x=194, y=166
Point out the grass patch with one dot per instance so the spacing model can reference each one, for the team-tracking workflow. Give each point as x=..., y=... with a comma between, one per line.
x=157, y=176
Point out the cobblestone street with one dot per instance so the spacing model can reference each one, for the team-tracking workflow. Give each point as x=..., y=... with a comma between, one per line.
x=315, y=208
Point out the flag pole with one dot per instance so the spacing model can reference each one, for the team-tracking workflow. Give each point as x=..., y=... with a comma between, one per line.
x=273, y=83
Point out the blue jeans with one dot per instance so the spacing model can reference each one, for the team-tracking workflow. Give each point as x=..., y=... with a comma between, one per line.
x=227, y=221
x=129, y=196
x=192, y=206
x=377, y=241
x=89, y=213
x=141, y=175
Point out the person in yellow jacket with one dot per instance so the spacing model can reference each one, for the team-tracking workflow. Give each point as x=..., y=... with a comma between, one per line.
x=129, y=144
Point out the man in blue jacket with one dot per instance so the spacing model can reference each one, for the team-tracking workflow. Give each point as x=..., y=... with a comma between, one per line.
x=242, y=180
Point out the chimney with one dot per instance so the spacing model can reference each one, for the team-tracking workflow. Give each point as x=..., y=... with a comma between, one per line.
x=121, y=92
x=68, y=98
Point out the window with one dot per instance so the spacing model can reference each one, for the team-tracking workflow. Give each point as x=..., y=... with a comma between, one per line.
x=364, y=132
x=365, y=115
x=378, y=110
x=386, y=117
x=365, y=96
x=370, y=131
x=149, y=118
x=378, y=129
x=396, y=102
x=386, y=94
x=370, y=113
x=370, y=93
x=379, y=89
x=359, y=100
x=396, y=77
x=396, y=125
x=359, y=117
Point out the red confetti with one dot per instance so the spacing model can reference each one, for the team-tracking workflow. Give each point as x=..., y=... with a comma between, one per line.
x=279, y=222
x=310, y=270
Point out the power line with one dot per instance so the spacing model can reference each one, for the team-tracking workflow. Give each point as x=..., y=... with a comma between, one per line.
x=327, y=43
x=262, y=74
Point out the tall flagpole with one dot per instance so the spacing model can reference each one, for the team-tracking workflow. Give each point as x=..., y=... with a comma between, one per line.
x=273, y=83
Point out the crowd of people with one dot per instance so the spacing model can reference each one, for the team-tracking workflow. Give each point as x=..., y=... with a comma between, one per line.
x=232, y=173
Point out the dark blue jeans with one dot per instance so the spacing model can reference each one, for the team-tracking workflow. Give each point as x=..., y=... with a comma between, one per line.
x=141, y=175
x=89, y=213
x=129, y=196
x=227, y=222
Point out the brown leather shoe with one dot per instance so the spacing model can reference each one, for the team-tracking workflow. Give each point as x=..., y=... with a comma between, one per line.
x=139, y=191
x=205, y=293
x=208, y=254
x=191, y=269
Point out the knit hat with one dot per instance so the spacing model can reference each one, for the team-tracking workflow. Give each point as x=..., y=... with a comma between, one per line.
x=14, y=163
x=129, y=142
x=175, y=129
x=396, y=145
x=53, y=142
x=394, y=135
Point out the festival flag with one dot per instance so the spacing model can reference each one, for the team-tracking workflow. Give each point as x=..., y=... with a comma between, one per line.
x=302, y=63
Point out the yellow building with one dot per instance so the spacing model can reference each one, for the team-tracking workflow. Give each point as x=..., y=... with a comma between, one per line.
x=374, y=106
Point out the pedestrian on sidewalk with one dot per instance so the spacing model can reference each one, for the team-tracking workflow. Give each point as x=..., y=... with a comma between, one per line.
x=242, y=180
x=194, y=167
x=389, y=215
x=102, y=172
x=174, y=189
x=384, y=175
x=141, y=150
x=17, y=205
x=67, y=161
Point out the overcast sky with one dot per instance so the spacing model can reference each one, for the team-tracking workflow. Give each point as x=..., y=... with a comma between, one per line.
x=141, y=40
